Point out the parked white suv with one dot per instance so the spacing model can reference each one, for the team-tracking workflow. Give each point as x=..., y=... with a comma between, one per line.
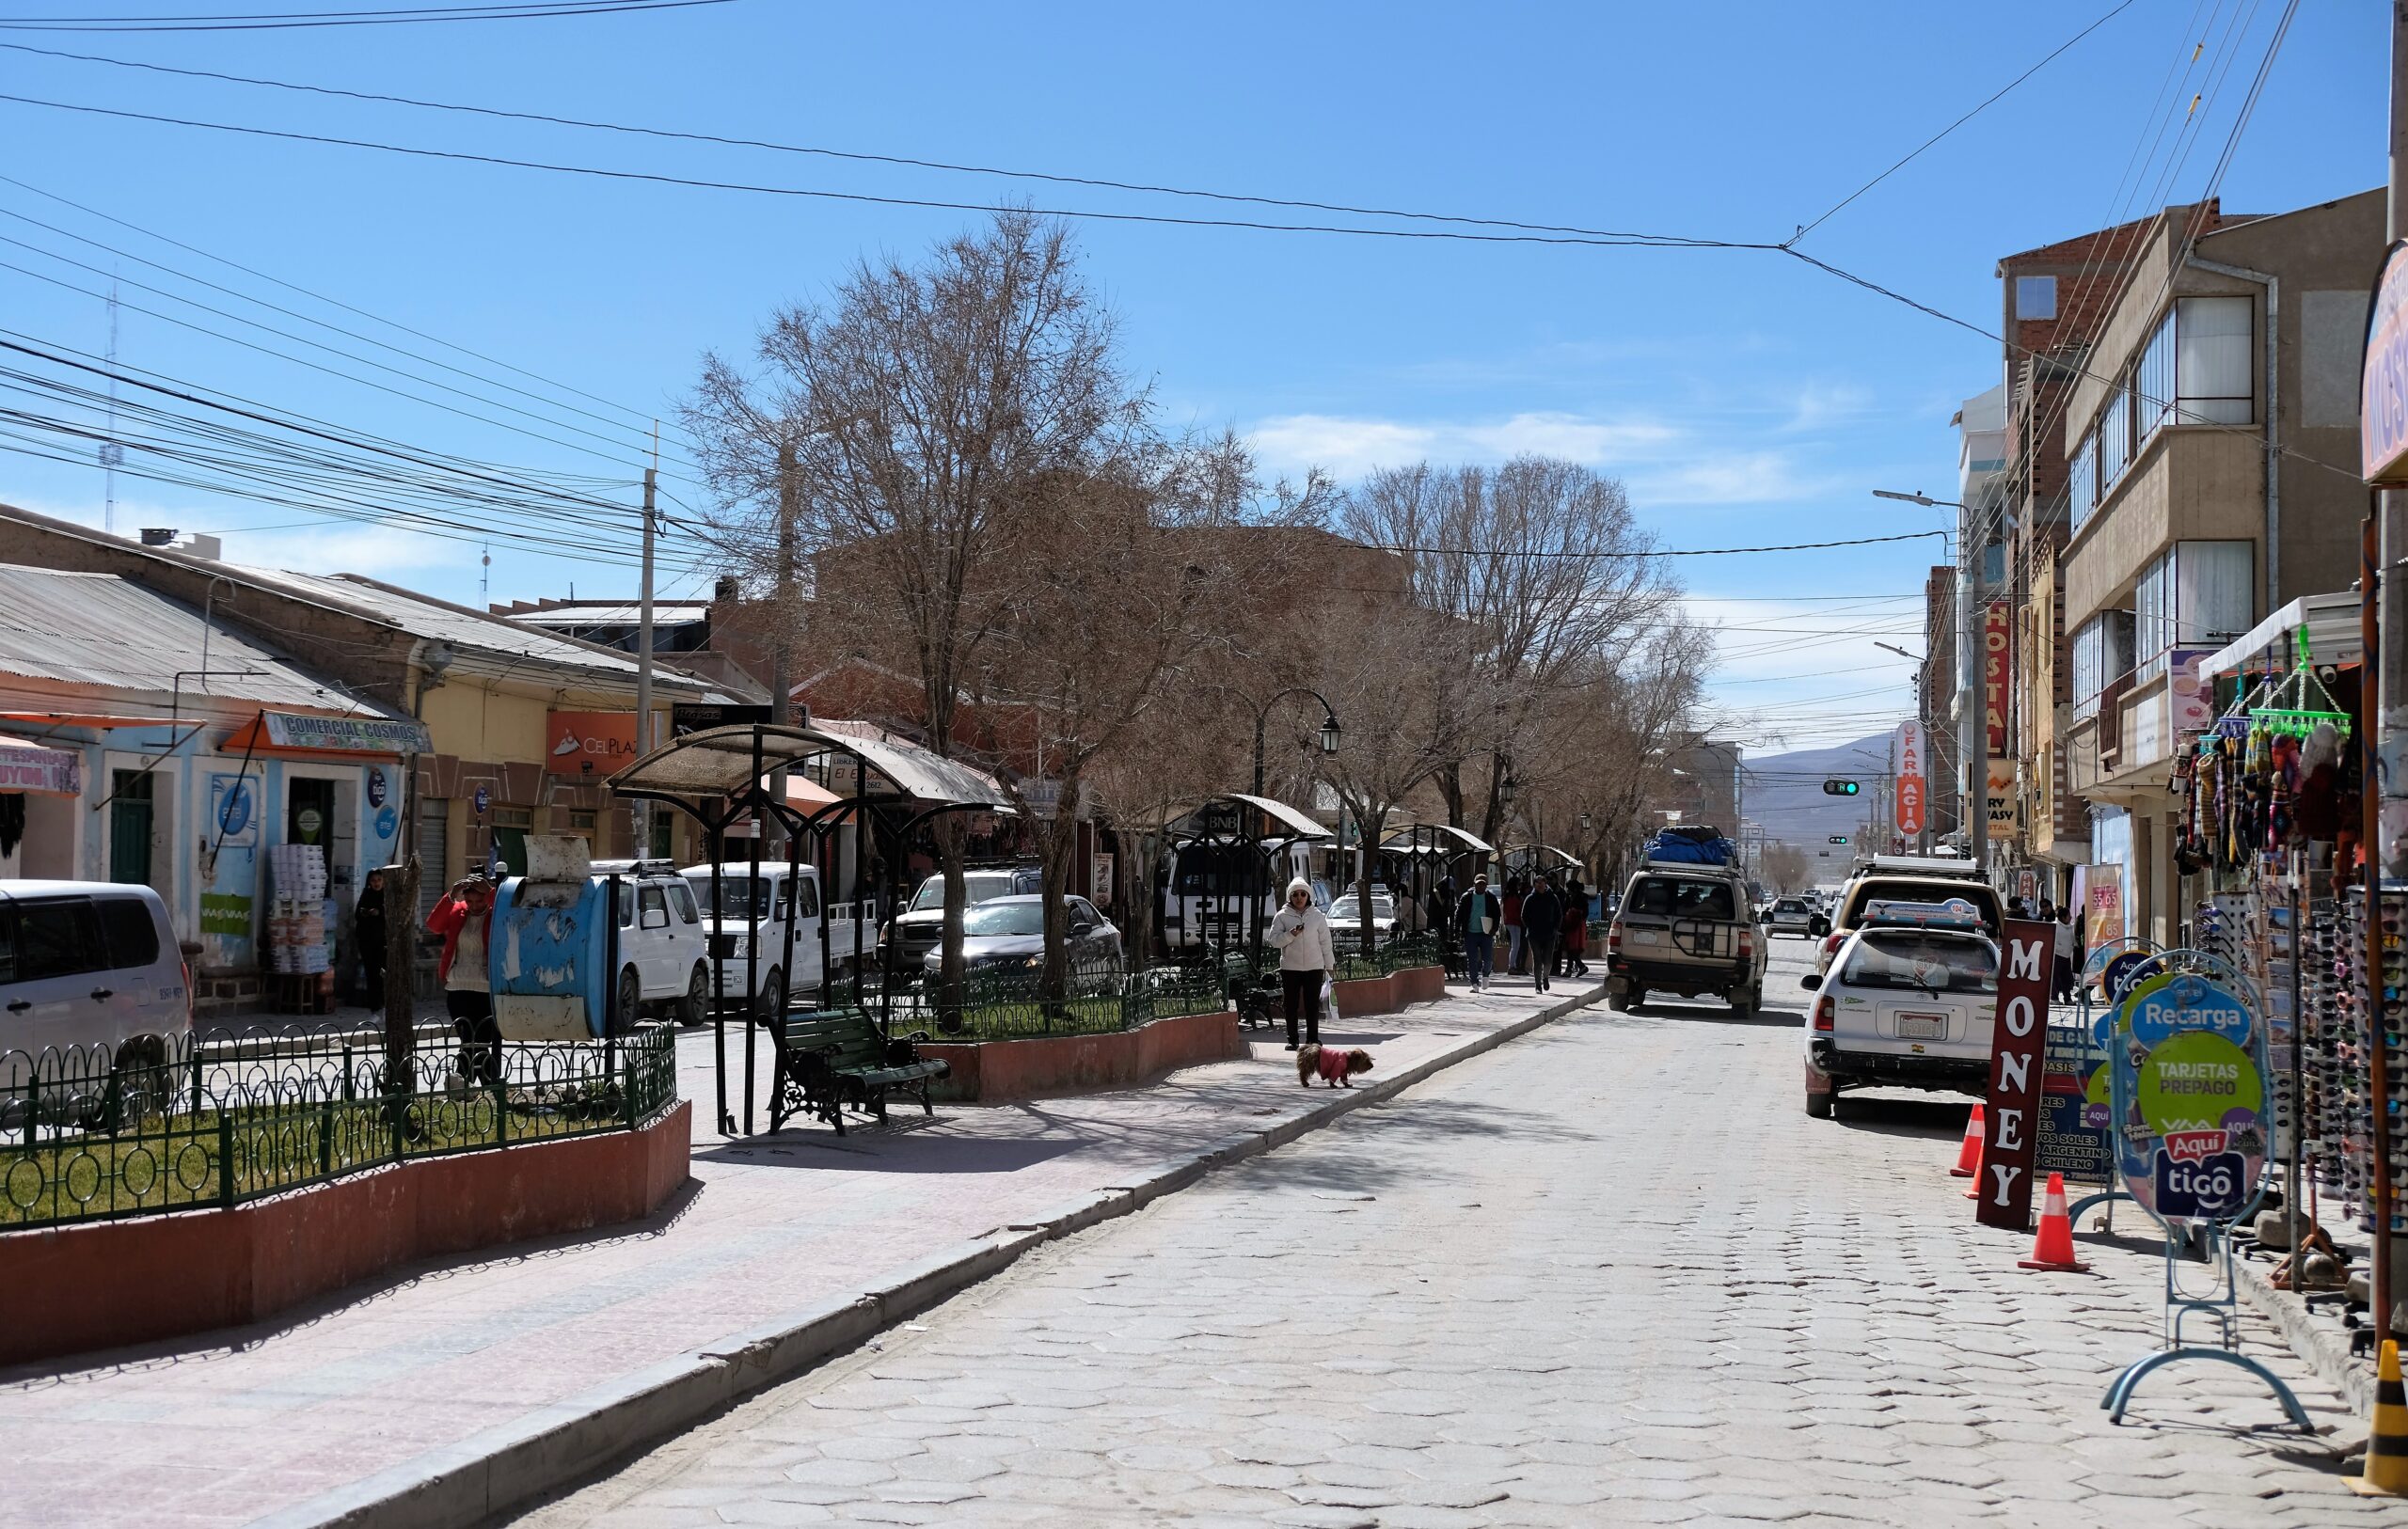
x=1908, y=1002
x=663, y=951
x=90, y=972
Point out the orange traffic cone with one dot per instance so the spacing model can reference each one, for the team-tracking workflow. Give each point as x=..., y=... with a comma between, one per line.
x=1969, y=1152
x=2053, y=1246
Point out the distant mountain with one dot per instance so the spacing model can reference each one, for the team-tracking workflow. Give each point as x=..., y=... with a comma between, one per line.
x=1784, y=795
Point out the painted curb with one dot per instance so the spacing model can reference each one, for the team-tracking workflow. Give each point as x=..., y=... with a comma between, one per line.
x=552, y=1447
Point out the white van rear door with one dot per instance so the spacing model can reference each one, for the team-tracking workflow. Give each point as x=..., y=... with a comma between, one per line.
x=63, y=995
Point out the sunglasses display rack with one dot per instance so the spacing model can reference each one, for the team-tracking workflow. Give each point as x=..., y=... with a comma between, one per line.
x=2369, y=1020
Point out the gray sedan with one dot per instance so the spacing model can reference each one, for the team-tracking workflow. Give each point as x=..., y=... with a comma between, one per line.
x=1007, y=934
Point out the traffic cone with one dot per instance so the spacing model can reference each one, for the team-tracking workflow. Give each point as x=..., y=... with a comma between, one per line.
x=2053, y=1246
x=1969, y=1152
x=2386, y=1473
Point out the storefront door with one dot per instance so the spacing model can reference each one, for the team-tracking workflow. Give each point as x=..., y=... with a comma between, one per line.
x=309, y=813
x=129, y=806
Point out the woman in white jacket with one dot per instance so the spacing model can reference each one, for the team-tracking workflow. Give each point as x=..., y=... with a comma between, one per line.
x=1300, y=934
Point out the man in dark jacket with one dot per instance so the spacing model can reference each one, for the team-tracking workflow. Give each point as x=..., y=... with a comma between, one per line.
x=1478, y=918
x=1542, y=925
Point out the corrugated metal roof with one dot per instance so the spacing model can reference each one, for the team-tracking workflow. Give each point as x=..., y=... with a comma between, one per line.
x=463, y=627
x=613, y=615
x=100, y=629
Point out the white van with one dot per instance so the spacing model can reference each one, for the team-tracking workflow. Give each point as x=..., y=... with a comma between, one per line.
x=661, y=939
x=89, y=972
x=764, y=913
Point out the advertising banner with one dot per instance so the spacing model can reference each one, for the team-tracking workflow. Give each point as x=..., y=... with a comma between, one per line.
x=590, y=744
x=2189, y=1099
x=2010, y=1123
x=2105, y=889
x=1999, y=791
x=1908, y=809
x=2382, y=379
x=345, y=735
x=2075, y=1107
x=1998, y=666
x=699, y=717
x=51, y=771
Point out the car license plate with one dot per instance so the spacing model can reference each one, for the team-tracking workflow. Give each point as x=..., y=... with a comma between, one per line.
x=1922, y=1027
x=1642, y=936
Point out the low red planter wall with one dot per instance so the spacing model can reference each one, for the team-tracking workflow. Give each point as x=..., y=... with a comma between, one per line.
x=987, y=1072
x=98, y=1285
x=1391, y=993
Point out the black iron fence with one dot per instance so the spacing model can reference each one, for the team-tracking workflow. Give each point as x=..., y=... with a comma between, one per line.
x=210, y=1120
x=996, y=1003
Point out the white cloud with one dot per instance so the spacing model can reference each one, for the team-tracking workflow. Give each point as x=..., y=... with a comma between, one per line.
x=1594, y=442
x=1820, y=406
x=1348, y=447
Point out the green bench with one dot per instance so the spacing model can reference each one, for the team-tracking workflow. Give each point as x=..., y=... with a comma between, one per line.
x=830, y=1058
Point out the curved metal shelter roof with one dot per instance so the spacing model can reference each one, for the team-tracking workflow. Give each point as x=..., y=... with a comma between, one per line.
x=1524, y=849
x=1402, y=841
x=729, y=761
x=1299, y=824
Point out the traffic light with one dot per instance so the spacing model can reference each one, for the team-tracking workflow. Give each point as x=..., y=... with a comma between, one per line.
x=1839, y=788
x=1839, y=839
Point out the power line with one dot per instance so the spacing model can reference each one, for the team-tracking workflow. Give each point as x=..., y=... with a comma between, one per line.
x=1628, y=242
x=857, y=156
x=1984, y=104
x=556, y=10
x=1657, y=552
x=638, y=415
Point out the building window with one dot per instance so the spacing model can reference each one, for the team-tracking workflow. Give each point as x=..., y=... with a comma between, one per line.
x=580, y=822
x=2114, y=438
x=2102, y=654
x=2155, y=380
x=2197, y=595
x=2035, y=297
x=2211, y=360
x=2082, y=481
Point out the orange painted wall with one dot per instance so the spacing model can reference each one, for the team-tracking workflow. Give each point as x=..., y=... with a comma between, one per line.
x=77, y=1289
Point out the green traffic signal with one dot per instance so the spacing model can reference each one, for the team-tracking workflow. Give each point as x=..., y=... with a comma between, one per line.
x=1839, y=788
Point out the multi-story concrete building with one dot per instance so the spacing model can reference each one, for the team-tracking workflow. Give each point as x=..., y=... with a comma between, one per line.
x=2198, y=434
x=2053, y=299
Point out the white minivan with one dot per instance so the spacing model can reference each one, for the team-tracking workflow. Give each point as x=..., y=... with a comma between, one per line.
x=90, y=972
x=662, y=960
x=764, y=913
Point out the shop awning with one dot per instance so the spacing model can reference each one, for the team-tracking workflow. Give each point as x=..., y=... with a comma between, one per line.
x=308, y=732
x=2331, y=622
x=98, y=721
x=52, y=772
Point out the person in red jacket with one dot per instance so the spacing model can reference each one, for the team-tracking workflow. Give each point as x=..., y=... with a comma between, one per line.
x=464, y=918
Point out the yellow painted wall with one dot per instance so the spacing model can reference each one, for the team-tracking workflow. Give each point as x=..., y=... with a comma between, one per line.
x=472, y=721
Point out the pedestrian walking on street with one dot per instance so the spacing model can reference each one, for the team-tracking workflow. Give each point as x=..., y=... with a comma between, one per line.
x=1300, y=932
x=1476, y=918
x=1576, y=928
x=2061, y=988
x=1513, y=905
x=368, y=930
x=465, y=919
x=1542, y=923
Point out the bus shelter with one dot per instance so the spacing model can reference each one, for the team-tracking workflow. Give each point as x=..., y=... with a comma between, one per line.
x=1433, y=851
x=885, y=787
x=1231, y=840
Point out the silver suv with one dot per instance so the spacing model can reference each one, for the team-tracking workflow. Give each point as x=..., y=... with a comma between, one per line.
x=1685, y=928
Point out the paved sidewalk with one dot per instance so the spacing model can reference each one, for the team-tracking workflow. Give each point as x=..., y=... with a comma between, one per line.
x=393, y=1376
x=1611, y=1275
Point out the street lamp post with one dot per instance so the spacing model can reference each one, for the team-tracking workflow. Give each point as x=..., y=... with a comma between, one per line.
x=1329, y=737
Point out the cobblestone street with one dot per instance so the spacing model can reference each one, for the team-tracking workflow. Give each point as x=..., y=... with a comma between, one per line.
x=1607, y=1274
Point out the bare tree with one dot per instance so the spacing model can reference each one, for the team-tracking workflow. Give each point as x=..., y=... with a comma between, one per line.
x=1544, y=560
x=1785, y=866
x=900, y=437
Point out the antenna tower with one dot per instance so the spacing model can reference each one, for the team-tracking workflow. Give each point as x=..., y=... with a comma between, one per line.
x=112, y=452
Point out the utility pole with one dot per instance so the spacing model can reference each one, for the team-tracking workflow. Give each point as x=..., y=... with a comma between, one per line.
x=1973, y=694
x=2391, y=735
x=644, y=653
x=782, y=611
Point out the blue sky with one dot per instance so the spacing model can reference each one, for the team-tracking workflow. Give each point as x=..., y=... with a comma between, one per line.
x=1744, y=398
